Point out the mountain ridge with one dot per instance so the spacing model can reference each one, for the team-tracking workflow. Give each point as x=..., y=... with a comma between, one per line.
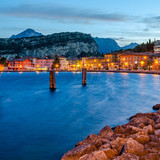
x=69, y=44
x=108, y=45
x=27, y=33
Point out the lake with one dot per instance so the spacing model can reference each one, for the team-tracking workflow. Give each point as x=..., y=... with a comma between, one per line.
x=38, y=124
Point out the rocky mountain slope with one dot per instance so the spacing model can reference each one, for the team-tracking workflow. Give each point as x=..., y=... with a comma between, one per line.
x=69, y=44
x=108, y=45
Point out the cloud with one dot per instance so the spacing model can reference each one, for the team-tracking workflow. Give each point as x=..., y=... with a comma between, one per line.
x=152, y=22
x=62, y=13
x=117, y=39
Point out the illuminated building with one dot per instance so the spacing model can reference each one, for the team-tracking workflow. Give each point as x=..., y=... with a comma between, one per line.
x=93, y=63
x=19, y=64
x=131, y=60
x=63, y=63
x=157, y=47
x=44, y=64
x=1, y=67
x=74, y=64
x=112, y=60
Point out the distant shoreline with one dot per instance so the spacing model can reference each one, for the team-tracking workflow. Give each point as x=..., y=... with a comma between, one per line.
x=115, y=71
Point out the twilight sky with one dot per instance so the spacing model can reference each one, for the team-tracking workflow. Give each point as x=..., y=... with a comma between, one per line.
x=125, y=21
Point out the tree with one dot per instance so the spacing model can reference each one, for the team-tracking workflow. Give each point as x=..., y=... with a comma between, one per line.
x=144, y=47
x=135, y=66
x=149, y=64
x=56, y=63
x=3, y=61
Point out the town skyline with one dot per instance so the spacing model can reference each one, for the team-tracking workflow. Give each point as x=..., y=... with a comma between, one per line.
x=122, y=21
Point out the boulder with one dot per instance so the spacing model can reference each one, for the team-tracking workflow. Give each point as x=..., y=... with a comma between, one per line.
x=79, y=151
x=143, y=139
x=140, y=115
x=149, y=129
x=157, y=133
x=151, y=156
x=119, y=130
x=110, y=153
x=91, y=143
x=156, y=107
x=156, y=126
x=79, y=143
x=106, y=132
x=156, y=117
x=97, y=155
x=139, y=121
x=131, y=130
x=118, y=144
x=158, y=111
x=126, y=156
x=105, y=146
x=133, y=147
x=105, y=140
x=121, y=135
x=152, y=145
x=154, y=138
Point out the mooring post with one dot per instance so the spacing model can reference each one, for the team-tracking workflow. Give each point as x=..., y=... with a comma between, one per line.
x=84, y=76
x=52, y=80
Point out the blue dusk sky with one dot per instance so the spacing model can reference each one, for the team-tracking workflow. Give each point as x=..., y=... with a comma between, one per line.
x=125, y=21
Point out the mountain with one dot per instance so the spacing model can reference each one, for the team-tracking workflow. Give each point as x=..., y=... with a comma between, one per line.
x=69, y=44
x=130, y=46
x=107, y=45
x=27, y=33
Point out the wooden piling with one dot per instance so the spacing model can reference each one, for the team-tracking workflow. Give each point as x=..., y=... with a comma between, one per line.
x=84, y=76
x=52, y=80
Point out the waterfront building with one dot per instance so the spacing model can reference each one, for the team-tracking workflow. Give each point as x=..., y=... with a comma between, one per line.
x=1, y=67
x=155, y=61
x=132, y=60
x=112, y=60
x=74, y=64
x=112, y=57
x=44, y=64
x=157, y=46
x=63, y=63
x=93, y=63
x=19, y=64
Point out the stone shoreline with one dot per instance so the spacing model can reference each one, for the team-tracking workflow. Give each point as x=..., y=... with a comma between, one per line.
x=139, y=139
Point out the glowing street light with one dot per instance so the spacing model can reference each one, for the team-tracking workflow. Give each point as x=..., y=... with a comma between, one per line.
x=142, y=62
x=156, y=61
x=57, y=65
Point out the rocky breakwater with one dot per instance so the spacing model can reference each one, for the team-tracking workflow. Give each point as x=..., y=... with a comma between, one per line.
x=139, y=139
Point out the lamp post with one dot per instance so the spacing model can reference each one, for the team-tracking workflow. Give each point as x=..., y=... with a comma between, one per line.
x=142, y=63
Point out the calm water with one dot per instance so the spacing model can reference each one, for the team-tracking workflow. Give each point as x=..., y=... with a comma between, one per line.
x=37, y=124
